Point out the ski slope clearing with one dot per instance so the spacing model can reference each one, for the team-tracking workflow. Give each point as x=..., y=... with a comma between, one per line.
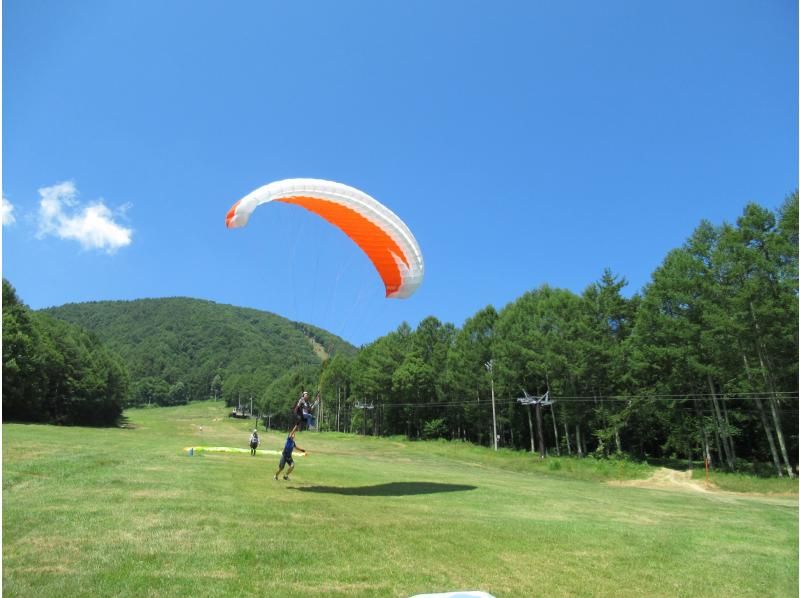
x=126, y=511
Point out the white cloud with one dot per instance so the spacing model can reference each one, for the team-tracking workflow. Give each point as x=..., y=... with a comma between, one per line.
x=93, y=226
x=7, y=210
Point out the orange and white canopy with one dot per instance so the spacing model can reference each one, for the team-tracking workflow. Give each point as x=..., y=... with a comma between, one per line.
x=377, y=230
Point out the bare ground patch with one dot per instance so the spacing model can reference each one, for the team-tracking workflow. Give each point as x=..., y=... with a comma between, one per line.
x=669, y=479
x=681, y=481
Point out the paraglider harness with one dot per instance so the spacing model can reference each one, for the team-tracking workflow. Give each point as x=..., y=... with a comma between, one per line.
x=302, y=412
x=298, y=410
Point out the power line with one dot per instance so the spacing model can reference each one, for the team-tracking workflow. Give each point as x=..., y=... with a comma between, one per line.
x=668, y=398
x=654, y=398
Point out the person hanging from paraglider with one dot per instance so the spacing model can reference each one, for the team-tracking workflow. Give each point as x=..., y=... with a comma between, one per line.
x=300, y=410
x=286, y=455
x=254, y=442
x=308, y=413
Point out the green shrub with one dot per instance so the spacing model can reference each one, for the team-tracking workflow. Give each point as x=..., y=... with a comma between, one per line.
x=435, y=428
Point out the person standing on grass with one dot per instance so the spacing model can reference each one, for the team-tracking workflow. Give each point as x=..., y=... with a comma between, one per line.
x=286, y=455
x=254, y=442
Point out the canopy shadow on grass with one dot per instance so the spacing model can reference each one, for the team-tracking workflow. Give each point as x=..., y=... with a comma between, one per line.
x=390, y=489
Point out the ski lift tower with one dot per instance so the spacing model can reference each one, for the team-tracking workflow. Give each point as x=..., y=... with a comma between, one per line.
x=536, y=402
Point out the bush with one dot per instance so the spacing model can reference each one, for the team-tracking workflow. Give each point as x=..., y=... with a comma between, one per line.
x=435, y=428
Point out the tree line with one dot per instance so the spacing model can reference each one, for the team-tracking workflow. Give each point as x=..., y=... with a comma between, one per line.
x=56, y=372
x=701, y=364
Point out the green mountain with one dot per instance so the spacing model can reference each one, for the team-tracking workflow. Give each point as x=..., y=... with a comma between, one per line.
x=180, y=349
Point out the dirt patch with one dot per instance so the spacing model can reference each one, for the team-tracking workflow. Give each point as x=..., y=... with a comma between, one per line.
x=681, y=481
x=318, y=349
x=670, y=479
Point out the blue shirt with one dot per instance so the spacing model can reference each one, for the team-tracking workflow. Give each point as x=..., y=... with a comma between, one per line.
x=289, y=447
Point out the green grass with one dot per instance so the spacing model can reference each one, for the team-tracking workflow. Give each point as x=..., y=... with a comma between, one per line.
x=739, y=482
x=126, y=512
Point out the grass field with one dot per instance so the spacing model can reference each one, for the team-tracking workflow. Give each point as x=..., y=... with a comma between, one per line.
x=125, y=512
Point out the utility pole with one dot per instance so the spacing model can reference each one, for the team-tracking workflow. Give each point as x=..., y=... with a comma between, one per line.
x=555, y=430
x=321, y=411
x=338, y=405
x=490, y=368
x=537, y=402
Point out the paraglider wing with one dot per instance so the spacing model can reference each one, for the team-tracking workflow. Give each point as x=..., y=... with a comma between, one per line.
x=377, y=230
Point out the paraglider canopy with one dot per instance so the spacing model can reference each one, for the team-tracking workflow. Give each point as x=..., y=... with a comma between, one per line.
x=378, y=231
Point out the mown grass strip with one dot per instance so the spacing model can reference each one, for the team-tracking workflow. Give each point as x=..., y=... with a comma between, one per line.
x=127, y=512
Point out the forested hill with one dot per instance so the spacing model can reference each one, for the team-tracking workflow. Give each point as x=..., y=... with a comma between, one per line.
x=177, y=349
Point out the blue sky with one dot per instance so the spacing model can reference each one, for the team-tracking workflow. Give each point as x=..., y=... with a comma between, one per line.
x=524, y=143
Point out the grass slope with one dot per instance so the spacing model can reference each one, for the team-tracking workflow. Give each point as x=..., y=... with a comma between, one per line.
x=127, y=512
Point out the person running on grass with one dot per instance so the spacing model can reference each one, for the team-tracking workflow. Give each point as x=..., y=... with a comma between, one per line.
x=286, y=455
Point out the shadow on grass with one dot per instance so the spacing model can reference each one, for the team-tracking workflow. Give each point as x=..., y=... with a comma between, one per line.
x=125, y=422
x=390, y=489
x=678, y=464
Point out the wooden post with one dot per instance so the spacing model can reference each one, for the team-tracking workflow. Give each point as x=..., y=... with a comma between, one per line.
x=566, y=435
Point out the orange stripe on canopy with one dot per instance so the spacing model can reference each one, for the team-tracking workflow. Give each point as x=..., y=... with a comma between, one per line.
x=231, y=213
x=371, y=238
